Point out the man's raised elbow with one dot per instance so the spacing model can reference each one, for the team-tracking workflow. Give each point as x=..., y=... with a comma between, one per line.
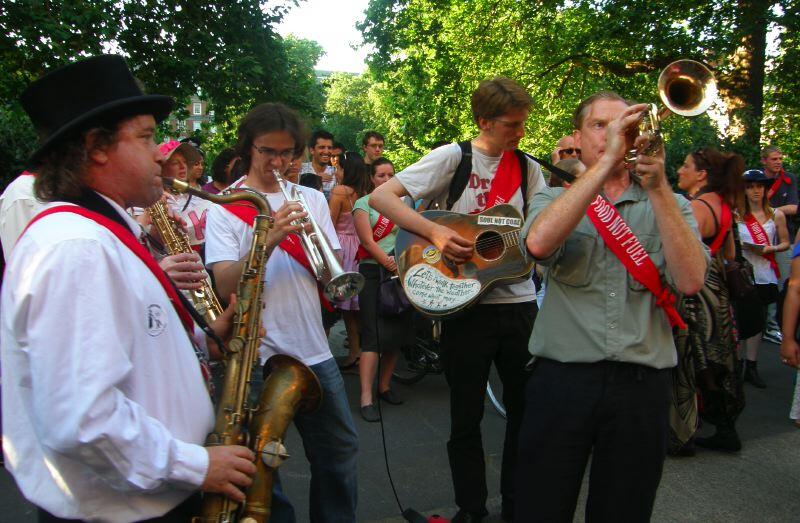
x=536, y=249
x=692, y=283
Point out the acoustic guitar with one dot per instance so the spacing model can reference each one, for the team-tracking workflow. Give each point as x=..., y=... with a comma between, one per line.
x=436, y=286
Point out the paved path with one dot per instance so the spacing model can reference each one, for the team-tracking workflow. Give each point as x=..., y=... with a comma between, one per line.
x=760, y=484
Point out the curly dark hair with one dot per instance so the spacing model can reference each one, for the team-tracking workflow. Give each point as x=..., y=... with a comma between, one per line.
x=61, y=171
x=266, y=118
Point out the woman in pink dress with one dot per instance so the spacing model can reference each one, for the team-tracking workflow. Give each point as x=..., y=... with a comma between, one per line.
x=343, y=196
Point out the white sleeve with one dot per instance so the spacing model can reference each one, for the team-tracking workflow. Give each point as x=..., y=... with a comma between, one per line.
x=431, y=175
x=79, y=369
x=224, y=236
x=13, y=221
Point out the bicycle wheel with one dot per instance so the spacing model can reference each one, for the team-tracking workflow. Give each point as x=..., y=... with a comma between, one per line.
x=412, y=364
x=494, y=391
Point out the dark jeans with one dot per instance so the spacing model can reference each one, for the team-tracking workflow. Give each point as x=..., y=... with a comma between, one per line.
x=470, y=343
x=180, y=514
x=615, y=412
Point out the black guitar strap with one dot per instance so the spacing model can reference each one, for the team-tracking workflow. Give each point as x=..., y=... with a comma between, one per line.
x=464, y=169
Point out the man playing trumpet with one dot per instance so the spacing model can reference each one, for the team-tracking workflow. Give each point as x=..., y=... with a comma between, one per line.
x=614, y=243
x=270, y=136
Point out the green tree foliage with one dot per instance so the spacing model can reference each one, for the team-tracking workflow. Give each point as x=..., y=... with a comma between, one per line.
x=226, y=50
x=431, y=54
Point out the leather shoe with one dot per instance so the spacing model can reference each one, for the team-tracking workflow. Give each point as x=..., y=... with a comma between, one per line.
x=390, y=397
x=370, y=413
x=464, y=516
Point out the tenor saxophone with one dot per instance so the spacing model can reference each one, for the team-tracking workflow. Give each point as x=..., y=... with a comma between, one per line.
x=291, y=387
x=176, y=242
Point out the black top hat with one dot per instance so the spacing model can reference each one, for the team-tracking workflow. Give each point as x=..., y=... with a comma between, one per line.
x=98, y=90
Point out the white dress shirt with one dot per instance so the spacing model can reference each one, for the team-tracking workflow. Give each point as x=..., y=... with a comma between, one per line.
x=104, y=407
x=18, y=206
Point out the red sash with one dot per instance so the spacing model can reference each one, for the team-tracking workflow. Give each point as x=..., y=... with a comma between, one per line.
x=292, y=245
x=621, y=241
x=126, y=237
x=759, y=236
x=780, y=180
x=507, y=179
x=383, y=227
x=724, y=226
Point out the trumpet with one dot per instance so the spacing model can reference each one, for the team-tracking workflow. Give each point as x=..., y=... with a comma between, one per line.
x=686, y=88
x=337, y=284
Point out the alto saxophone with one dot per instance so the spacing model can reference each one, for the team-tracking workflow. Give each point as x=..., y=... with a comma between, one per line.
x=177, y=242
x=291, y=387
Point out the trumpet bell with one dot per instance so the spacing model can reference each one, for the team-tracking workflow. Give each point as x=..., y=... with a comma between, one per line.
x=344, y=286
x=687, y=88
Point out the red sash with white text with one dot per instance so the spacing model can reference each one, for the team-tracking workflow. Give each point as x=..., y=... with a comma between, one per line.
x=383, y=227
x=780, y=180
x=507, y=179
x=292, y=245
x=759, y=236
x=621, y=241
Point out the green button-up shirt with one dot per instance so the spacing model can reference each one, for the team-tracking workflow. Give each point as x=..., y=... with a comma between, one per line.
x=593, y=309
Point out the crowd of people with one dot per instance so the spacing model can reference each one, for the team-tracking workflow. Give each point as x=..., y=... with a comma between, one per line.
x=622, y=339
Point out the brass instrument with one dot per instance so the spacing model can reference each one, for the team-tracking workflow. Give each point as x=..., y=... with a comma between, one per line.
x=176, y=242
x=337, y=284
x=290, y=387
x=686, y=88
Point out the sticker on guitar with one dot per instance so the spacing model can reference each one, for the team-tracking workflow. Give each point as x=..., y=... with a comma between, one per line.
x=499, y=220
x=431, y=290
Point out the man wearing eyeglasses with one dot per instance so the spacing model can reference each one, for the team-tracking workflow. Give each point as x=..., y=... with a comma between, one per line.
x=270, y=136
x=489, y=170
x=565, y=149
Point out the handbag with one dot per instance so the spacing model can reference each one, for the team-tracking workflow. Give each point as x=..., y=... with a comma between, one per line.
x=739, y=274
x=392, y=300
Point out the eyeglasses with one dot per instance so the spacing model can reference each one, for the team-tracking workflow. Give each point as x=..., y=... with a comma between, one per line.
x=570, y=150
x=271, y=154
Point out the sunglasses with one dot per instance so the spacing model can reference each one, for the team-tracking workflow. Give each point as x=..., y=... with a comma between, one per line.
x=570, y=150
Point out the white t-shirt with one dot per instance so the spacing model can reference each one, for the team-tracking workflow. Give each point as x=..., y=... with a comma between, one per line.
x=194, y=214
x=110, y=407
x=430, y=178
x=18, y=206
x=762, y=270
x=292, y=316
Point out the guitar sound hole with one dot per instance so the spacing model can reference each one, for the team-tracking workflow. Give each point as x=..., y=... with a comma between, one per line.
x=489, y=245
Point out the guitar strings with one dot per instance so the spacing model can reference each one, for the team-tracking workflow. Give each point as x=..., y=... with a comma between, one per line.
x=495, y=240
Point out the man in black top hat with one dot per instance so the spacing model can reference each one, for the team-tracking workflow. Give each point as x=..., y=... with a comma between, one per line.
x=106, y=409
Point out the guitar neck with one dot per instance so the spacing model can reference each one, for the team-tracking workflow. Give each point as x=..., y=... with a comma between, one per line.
x=511, y=238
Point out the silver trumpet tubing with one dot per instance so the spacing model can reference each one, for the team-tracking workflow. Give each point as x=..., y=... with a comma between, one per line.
x=337, y=284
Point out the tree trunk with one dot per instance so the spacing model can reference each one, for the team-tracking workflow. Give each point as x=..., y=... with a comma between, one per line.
x=743, y=87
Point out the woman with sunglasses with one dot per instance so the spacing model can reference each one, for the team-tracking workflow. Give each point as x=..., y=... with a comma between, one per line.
x=707, y=360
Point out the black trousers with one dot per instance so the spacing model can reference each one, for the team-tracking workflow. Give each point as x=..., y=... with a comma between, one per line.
x=470, y=343
x=615, y=412
x=183, y=513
